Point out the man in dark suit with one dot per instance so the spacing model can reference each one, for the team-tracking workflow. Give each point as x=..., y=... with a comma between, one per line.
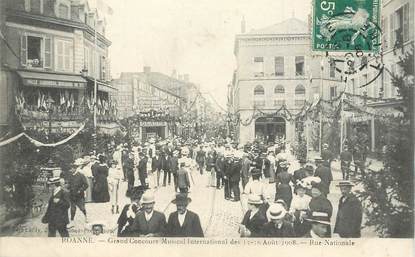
x=129, y=170
x=56, y=215
x=156, y=166
x=149, y=223
x=277, y=226
x=201, y=159
x=219, y=166
x=254, y=219
x=165, y=164
x=174, y=167
x=183, y=222
x=345, y=161
x=349, y=215
x=77, y=186
x=227, y=171
x=235, y=177
x=128, y=213
x=142, y=169
x=324, y=173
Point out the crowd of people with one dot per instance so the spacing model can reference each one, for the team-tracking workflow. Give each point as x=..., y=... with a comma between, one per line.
x=297, y=206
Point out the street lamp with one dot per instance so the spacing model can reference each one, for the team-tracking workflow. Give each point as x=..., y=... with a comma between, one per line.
x=49, y=103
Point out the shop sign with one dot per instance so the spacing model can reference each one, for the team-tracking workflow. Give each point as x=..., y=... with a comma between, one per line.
x=153, y=124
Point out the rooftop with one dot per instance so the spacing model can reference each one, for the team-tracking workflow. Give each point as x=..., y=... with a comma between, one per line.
x=287, y=27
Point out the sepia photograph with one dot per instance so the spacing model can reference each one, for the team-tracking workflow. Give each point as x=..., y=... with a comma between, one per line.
x=207, y=122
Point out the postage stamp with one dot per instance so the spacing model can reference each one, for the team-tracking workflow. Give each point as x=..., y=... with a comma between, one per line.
x=344, y=26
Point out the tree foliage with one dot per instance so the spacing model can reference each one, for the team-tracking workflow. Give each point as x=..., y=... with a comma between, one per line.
x=388, y=194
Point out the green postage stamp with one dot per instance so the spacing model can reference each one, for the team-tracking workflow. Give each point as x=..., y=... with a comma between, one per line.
x=346, y=25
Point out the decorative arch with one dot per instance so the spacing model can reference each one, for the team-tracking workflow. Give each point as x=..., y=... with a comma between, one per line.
x=259, y=90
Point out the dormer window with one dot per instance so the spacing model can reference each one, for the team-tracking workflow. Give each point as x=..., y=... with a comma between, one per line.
x=34, y=6
x=63, y=9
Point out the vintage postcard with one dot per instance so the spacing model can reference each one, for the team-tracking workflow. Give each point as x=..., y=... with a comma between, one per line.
x=176, y=127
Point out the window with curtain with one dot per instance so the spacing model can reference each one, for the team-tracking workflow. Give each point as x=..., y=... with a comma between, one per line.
x=259, y=90
x=259, y=96
x=258, y=66
x=299, y=65
x=279, y=89
x=279, y=66
x=299, y=90
x=333, y=92
x=332, y=68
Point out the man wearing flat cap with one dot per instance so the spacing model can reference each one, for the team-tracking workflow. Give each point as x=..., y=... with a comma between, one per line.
x=183, y=222
x=349, y=215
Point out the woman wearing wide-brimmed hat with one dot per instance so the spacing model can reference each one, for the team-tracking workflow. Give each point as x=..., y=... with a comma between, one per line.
x=283, y=188
x=183, y=222
x=254, y=219
x=299, y=207
x=128, y=213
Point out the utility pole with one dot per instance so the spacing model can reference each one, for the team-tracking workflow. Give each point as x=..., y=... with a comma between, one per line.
x=94, y=135
x=320, y=113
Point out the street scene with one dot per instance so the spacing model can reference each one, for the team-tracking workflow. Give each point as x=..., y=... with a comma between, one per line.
x=210, y=119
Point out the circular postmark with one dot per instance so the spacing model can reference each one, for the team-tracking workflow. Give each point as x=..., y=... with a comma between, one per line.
x=363, y=42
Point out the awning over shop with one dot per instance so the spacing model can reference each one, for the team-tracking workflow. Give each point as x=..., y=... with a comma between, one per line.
x=52, y=80
x=102, y=86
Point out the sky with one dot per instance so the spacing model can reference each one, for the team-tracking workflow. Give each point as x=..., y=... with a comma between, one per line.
x=194, y=37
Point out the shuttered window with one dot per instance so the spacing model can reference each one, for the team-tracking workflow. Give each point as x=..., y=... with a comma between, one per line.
x=64, y=55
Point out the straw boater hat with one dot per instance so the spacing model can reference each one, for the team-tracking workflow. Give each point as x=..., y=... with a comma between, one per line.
x=319, y=217
x=181, y=198
x=276, y=212
x=148, y=197
x=345, y=183
x=255, y=199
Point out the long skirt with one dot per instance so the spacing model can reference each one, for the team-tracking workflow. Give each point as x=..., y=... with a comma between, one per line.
x=284, y=192
x=100, y=193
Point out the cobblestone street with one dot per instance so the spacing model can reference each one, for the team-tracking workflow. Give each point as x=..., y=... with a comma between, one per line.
x=219, y=217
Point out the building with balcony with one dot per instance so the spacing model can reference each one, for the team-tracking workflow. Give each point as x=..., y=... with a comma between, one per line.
x=54, y=52
x=380, y=95
x=275, y=68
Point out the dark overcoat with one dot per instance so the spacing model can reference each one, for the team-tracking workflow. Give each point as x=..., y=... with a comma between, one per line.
x=191, y=225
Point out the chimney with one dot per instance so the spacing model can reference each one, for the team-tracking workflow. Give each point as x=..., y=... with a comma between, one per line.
x=186, y=77
x=243, y=25
x=147, y=69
